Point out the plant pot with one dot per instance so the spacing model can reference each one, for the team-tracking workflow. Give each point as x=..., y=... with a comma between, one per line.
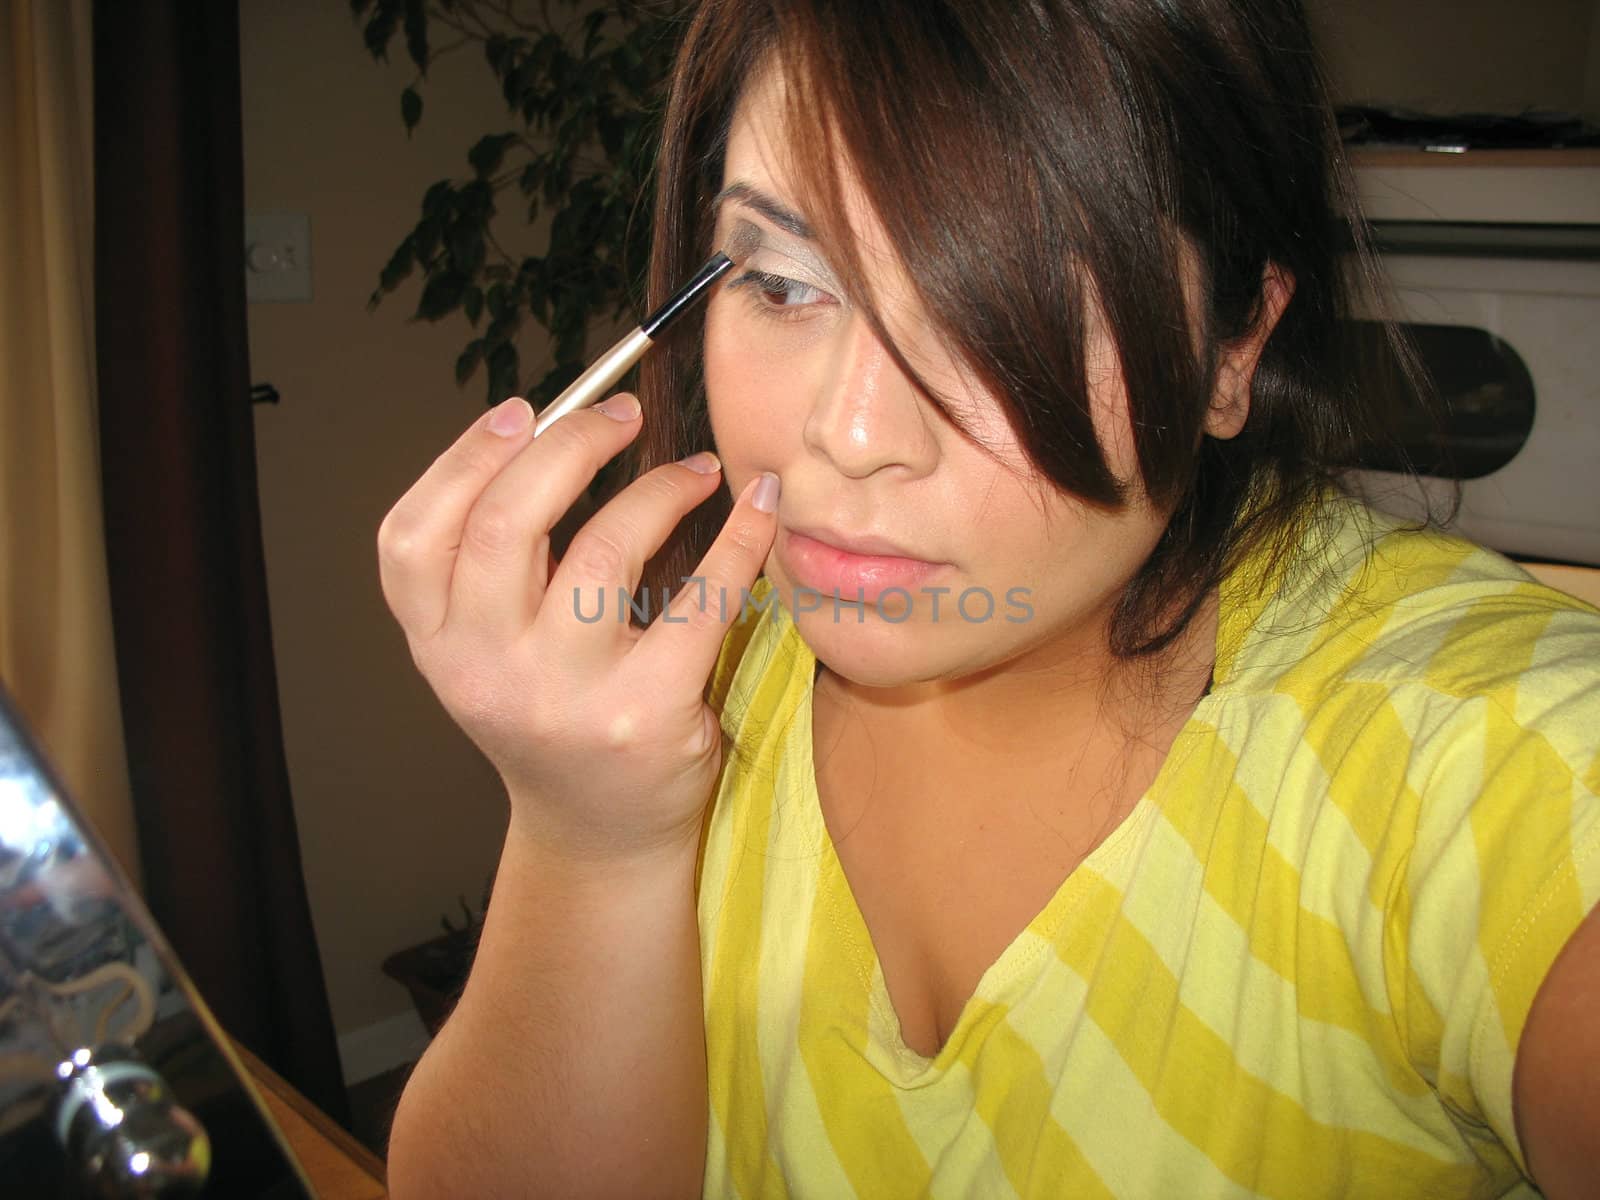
x=434, y=973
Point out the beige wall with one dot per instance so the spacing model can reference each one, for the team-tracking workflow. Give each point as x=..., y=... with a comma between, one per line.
x=397, y=812
x=1463, y=55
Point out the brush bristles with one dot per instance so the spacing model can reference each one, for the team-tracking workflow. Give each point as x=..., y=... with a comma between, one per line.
x=743, y=243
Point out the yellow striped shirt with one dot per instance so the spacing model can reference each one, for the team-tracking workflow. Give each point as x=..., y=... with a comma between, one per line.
x=1298, y=969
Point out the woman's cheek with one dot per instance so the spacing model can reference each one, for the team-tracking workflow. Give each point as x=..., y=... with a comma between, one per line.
x=762, y=377
x=732, y=398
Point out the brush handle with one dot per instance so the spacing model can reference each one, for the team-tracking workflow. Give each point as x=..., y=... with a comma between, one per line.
x=592, y=386
x=603, y=373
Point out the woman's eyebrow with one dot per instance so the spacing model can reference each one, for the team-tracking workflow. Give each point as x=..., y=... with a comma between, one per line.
x=785, y=219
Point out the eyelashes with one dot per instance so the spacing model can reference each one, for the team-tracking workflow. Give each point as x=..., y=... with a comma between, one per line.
x=778, y=296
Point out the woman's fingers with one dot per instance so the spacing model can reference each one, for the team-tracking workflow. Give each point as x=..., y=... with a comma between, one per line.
x=418, y=539
x=603, y=565
x=685, y=641
x=503, y=561
x=467, y=551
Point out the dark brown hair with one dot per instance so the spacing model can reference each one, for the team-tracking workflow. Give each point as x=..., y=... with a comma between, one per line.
x=1022, y=155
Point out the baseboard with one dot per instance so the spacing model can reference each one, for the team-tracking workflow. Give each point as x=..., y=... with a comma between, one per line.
x=381, y=1046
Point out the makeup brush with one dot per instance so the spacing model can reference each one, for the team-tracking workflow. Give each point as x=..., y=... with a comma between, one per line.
x=597, y=380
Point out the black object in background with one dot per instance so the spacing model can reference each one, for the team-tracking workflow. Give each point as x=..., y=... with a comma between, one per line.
x=1369, y=125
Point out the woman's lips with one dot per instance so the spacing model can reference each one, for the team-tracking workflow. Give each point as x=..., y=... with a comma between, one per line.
x=827, y=569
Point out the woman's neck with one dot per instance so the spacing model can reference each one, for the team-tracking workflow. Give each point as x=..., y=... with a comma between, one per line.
x=1057, y=691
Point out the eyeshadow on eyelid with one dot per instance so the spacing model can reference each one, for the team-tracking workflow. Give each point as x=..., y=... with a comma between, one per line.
x=814, y=271
x=776, y=252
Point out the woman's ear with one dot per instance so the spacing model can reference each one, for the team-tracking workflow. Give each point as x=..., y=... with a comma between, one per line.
x=1230, y=399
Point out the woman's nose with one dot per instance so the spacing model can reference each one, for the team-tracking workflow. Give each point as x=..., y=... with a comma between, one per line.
x=868, y=415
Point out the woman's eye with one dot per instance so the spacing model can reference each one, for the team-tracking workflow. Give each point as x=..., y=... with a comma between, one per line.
x=779, y=291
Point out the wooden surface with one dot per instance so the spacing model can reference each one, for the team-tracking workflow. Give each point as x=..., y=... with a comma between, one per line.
x=339, y=1167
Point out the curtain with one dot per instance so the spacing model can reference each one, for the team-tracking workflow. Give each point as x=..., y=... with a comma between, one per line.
x=55, y=618
x=199, y=696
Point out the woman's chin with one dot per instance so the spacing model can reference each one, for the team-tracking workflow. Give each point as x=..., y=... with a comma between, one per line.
x=879, y=648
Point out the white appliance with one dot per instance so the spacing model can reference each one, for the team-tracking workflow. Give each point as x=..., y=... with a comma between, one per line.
x=1512, y=247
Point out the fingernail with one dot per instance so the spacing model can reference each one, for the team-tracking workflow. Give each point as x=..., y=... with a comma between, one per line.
x=765, y=498
x=705, y=462
x=621, y=407
x=510, y=417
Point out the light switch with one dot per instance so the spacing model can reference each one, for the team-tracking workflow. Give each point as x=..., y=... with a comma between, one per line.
x=277, y=256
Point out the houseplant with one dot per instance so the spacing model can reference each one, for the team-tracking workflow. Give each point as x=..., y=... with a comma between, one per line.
x=434, y=972
x=583, y=82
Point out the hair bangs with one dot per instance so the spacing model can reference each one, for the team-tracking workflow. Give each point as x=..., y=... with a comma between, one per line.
x=951, y=173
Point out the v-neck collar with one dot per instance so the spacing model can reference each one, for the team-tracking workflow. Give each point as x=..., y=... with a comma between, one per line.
x=898, y=1062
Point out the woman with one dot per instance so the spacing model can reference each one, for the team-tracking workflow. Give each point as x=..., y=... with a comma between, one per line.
x=1087, y=799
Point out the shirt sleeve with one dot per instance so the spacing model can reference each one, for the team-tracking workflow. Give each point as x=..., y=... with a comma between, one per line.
x=1506, y=859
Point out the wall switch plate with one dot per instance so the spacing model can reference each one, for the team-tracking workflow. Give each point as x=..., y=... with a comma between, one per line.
x=277, y=256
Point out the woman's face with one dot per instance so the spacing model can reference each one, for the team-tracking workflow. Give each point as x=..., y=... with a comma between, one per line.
x=962, y=561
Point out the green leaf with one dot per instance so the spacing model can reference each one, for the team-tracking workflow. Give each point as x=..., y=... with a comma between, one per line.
x=503, y=367
x=465, y=246
x=410, y=108
x=472, y=304
x=399, y=265
x=425, y=239
x=563, y=71
x=591, y=30
x=436, y=200
x=557, y=179
x=475, y=201
x=574, y=130
x=569, y=345
x=486, y=156
x=537, y=283
x=469, y=360
x=379, y=30
x=441, y=295
x=545, y=51
x=498, y=299
x=502, y=330
x=531, y=175
x=417, y=33
x=514, y=87
x=497, y=50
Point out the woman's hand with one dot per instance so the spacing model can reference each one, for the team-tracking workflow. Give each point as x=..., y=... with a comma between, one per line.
x=598, y=729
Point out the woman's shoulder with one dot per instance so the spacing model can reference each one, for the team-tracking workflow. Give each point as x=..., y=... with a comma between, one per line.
x=1367, y=598
x=1394, y=651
